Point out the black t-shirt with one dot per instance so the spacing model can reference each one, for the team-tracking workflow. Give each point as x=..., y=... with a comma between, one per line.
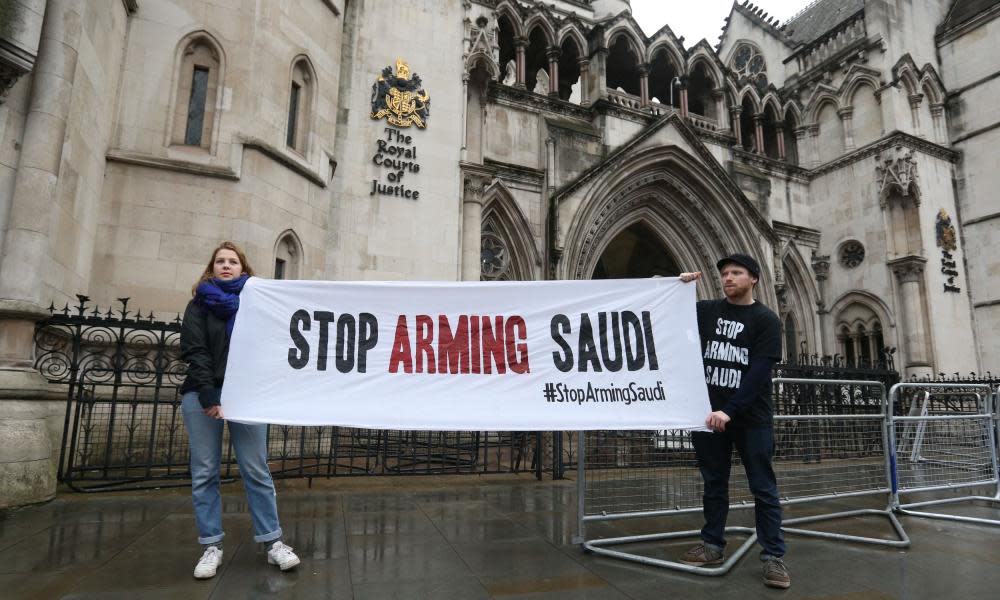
x=732, y=336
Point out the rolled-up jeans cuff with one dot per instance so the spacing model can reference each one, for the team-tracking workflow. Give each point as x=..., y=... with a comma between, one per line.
x=268, y=537
x=204, y=541
x=711, y=546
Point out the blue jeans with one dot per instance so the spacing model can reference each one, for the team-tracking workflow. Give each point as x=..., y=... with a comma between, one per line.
x=755, y=446
x=250, y=443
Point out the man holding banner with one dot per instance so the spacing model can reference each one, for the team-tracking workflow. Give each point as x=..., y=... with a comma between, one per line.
x=740, y=343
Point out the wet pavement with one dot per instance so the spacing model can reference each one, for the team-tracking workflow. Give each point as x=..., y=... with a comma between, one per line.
x=459, y=538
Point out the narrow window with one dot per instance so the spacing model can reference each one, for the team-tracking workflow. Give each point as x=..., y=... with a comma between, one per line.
x=279, y=268
x=293, y=114
x=196, y=107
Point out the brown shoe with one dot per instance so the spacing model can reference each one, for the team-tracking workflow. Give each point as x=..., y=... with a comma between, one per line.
x=702, y=556
x=776, y=574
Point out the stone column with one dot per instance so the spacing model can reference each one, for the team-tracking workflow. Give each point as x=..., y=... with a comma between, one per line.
x=813, y=145
x=683, y=101
x=821, y=269
x=472, y=225
x=553, y=56
x=520, y=45
x=584, y=81
x=915, y=100
x=644, y=84
x=779, y=131
x=937, y=114
x=758, y=132
x=847, y=122
x=734, y=117
x=601, y=73
x=909, y=272
x=800, y=145
x=719, y=95
x=30, y=427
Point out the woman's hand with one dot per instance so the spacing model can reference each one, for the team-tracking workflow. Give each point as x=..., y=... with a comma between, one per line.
x=215, y=412
x=689, y=277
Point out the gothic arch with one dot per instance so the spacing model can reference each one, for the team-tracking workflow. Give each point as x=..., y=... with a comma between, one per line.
x=855, y=81
x=821, y=96
x=771, y=100
x=666, y=45
x=509, y=10
x=539, y=20
x=634, y=39
x=504, y=218
x=685, y=203
x=301, y=72
x=866, y=299
x=701, y=56
x=289, y=256
x=798, y=296
x=570, y=32
x=754, y=98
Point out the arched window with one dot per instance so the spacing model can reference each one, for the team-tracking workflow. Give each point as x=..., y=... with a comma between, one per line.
x=791, y=142
x=287, y=256
x=195, y=102
x=661, y=76
x=569, y=71
x=700, y=85
x=770, y=125
x=536, y=61
x=623, y=66
x=860, y=335
x=300, y=99
x=750, y=67
x=748, y=132
x=508, y=51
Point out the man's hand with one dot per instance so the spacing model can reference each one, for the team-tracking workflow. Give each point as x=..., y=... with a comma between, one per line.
x=717, y=420
x=689, y=277
x=215, y=412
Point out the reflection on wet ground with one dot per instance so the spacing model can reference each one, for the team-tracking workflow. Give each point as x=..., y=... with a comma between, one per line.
x=461, y=538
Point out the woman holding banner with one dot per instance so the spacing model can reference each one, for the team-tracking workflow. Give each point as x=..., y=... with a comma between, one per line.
x=208, y=325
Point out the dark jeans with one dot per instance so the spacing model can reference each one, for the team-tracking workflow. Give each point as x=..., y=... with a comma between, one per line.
x=755, y=446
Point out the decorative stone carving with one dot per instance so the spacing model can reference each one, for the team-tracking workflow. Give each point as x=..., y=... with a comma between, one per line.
x=510, y=73
x=852, y=254
x=541, y=82
x=908, y=269
x=494, y=256
x=896, y=171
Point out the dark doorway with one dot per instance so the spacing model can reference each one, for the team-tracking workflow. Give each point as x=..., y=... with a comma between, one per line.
x=635, y=253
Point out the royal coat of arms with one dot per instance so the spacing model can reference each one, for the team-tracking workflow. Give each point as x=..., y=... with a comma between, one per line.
x=399, y=98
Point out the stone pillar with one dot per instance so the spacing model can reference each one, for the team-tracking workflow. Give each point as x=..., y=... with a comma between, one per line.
x=915, y=100
x=601, y=73
x=758, y=132
x=734, y=117
x=821, y=269
x=780, y=132
x=800, y=145
x=30, y=427
x=813, y=145
x=472, y=225
x=940, y=132
x=847, y=122
x=584, y=81
x=909, y=272
x=644, y=84
x=683, y=101
x=553, y=56
x=520, y=45
x=719, y=95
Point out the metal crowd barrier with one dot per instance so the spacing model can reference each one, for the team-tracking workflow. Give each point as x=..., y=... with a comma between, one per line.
x=831, y=443
x=945, y=438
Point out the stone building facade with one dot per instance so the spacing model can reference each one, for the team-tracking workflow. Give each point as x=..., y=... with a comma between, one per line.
x=851, y=149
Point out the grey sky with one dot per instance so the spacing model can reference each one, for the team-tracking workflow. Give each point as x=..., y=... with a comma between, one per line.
x=696, y=19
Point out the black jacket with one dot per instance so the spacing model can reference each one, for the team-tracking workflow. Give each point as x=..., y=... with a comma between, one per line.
x=205, y=349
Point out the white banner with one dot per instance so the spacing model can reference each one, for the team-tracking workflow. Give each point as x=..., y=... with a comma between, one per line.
x=552, y=355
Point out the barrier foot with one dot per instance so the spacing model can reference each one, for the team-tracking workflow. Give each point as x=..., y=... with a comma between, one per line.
x=598, y=547
x=906, y=509
x=902, y=542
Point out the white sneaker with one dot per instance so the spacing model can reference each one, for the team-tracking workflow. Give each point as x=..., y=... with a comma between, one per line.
x=209, y=563
x=282, y=555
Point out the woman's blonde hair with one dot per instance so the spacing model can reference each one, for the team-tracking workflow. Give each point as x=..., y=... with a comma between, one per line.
x=210, y=273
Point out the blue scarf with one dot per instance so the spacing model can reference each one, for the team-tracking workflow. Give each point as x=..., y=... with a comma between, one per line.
x=222, y=298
